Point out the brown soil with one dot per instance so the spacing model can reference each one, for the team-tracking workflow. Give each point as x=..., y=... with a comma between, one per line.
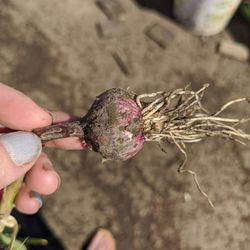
x=51, y=51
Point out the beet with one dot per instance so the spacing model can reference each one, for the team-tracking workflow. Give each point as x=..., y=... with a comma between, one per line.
x=112, y=126
x=119, y=122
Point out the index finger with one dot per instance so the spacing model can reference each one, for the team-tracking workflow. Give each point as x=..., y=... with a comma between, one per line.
x=18, y=111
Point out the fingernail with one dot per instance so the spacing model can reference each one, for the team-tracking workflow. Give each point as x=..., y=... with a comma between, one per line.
x=38, y=198
x=51, y=115
x=103, y=240
x=59, y=182
x=22, y=147
x=47, y=165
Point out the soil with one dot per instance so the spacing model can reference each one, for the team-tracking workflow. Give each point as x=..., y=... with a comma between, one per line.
x=52, y=51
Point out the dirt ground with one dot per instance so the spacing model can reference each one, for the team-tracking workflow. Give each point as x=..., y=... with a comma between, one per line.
x=51, y=51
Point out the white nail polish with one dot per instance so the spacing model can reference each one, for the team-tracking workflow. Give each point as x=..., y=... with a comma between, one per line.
x=22, y=147
x=38, y=197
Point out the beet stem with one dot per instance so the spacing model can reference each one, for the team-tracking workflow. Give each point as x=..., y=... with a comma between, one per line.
x=61, y=130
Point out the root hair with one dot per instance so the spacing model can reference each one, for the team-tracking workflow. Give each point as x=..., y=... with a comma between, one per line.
x=179, y=117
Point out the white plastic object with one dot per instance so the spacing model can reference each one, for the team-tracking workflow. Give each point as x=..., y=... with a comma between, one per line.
x=205, y=17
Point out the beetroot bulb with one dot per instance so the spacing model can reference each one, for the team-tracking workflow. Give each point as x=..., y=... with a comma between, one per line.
x=112, y=126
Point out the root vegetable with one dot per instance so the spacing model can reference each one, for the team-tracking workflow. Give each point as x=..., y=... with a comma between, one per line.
x=113, y=126
x=119, y=122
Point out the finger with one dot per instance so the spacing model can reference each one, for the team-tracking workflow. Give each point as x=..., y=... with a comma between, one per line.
x=27, y=201
x=42, y=178
x=18, y=152
x=19, y=111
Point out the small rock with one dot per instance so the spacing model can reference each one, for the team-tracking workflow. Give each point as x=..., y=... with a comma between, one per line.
x=187, y=197
x=160, y=35
x=122, y=61
x=234, y=50
x=112, y=9
x=111, y=29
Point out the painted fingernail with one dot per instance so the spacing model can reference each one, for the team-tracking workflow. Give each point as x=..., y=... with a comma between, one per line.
x=22, y=147
x=38, y=198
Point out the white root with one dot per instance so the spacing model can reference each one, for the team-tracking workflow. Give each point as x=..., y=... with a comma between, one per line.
x=178, y=117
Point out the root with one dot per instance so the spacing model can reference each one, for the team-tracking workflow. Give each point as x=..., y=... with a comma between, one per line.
x=188, y=171
x=179, y=114
x=179, y=117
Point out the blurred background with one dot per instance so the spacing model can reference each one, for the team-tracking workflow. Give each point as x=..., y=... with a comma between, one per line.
x=64, y=53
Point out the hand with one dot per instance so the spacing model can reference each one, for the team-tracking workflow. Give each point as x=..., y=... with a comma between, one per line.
x=20, y=152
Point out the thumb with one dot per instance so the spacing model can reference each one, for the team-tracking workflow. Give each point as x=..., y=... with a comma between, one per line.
x=18, y=152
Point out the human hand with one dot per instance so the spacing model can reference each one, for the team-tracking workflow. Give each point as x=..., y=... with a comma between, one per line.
x=21, y=152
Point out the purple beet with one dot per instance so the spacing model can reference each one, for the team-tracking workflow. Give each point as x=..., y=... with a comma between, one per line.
x=112, y=126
